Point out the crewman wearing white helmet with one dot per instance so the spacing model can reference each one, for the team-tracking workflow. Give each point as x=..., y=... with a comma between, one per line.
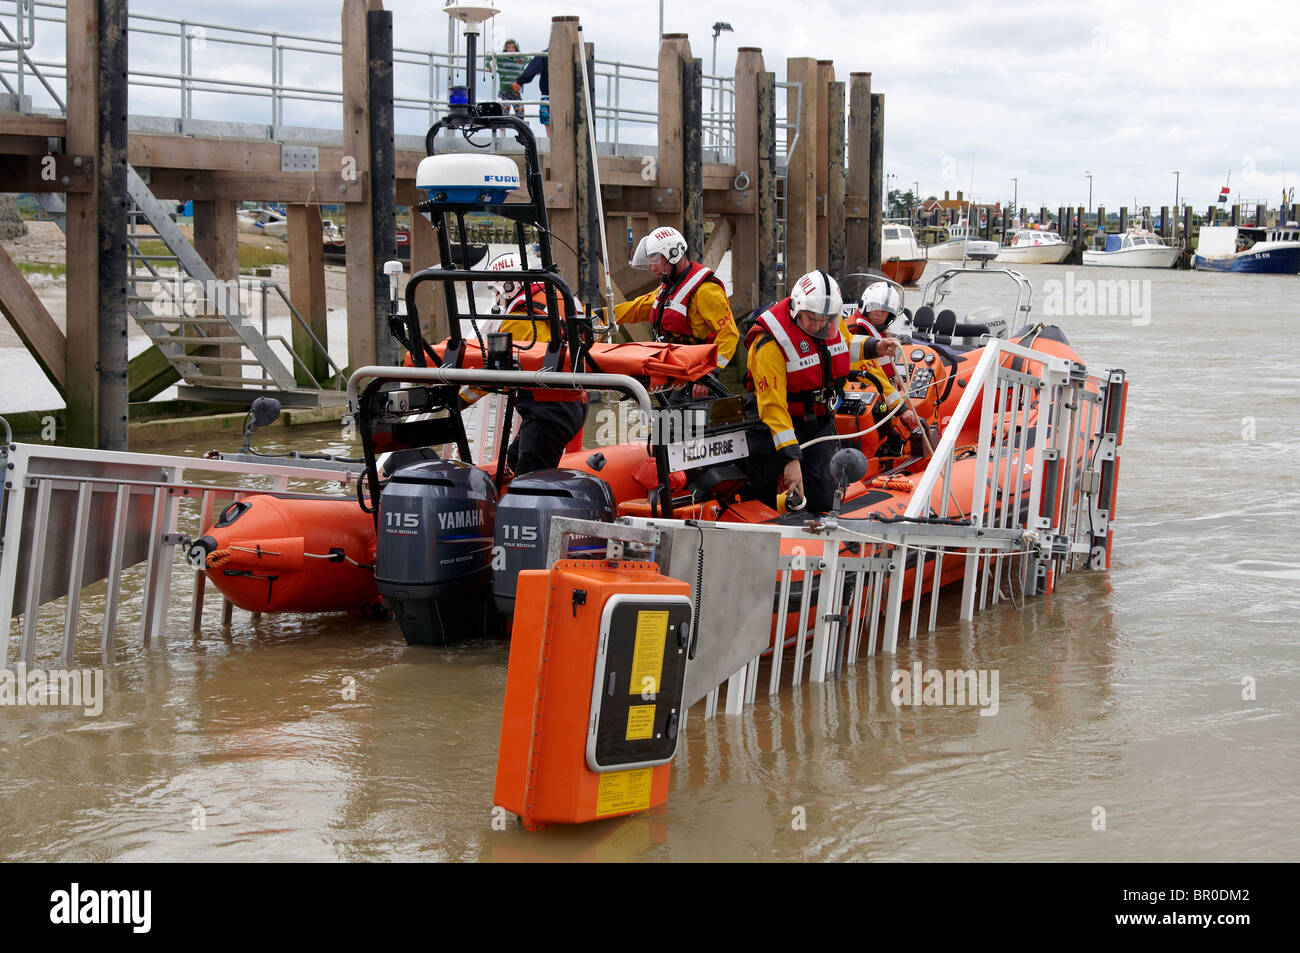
x=550, y=419
x=799, y=357
x=879, y=305
x=690, y=305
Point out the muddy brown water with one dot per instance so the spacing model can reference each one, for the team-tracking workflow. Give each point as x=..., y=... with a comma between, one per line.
x=327, y=738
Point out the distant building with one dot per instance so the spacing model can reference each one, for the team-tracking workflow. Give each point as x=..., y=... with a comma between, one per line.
x=948, y=210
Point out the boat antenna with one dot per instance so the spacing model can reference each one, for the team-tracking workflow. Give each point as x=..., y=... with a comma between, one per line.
x=595, y=174
x=965, y=245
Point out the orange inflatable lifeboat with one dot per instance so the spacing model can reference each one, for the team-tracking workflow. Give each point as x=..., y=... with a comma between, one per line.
x=267, y=554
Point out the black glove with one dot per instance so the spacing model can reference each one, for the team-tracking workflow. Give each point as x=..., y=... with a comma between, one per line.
x=598, y=315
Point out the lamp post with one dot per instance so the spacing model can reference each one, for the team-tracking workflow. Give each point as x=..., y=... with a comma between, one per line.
x=1177, y=174
x=916, y=200
x=1089, y=175
x=661, y=19
x=718, y=29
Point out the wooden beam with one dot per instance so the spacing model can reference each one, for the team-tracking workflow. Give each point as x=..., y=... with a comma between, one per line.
x=875, y=224
x=307, y=290
x=81, y=372
x=835, y=179
x=674, y=48
x=424, y=254
x=858, y=174
x=744, y=244
x=718, y=244
x=693, y=152
x=383, y=178
x=292, y=188
x=585, y=280
x=825, y=76
x=216, y=239
x=356, y=145
x=768, y=286
x=47, y=173
x=20, y=124
x=32, y=323
x=801, y=171
x=563, y=218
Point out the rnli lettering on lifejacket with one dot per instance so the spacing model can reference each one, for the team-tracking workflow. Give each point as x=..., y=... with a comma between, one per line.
x=461, y=519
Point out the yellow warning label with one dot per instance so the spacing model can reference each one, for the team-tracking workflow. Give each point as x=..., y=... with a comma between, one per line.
x=640, y=722
x=622, y=791
x=648, y=657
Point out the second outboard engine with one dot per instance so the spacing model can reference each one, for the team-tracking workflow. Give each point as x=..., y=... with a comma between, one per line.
x=433, y=561
x=523, y=526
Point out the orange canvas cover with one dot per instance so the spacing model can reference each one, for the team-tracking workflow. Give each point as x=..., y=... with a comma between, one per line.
x=658, y=363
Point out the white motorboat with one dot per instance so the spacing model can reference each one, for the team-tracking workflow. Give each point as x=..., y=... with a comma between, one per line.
x=1135, y=248
x=901, y=258
x=1033, y=247
x=954, y=249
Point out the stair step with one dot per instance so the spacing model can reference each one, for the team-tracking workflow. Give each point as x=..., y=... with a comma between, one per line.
x=190, y=339
x=205, y=379
x=214, y=359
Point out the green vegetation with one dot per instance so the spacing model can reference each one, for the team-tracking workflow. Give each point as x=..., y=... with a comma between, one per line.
x=250, y=256
x=53, y=269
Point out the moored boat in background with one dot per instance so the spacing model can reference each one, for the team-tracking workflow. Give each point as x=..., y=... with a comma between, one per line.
x=1268, y=251
x=1135, y=248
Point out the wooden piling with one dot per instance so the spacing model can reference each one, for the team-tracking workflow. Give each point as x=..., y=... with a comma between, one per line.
x=1123, y=218
x=693, y=153
x=586, y=279
x=858, y=184
x=562, y=211
x=875, y=224
x=356, y=162
x=801, y=169
x=744, y=242
x=1187, y=226
x=110, y=168
x=768, y=286
x=307, y=290
x=383, y=177
x=1236, y=214
x=835, y=184
x=821, y=86
x=674, y=50
x=1261, y=216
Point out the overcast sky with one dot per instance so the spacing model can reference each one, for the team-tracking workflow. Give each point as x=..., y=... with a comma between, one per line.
x=1126, y=89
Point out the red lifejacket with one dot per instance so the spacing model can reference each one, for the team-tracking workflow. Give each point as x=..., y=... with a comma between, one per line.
x=518, y=310
x=860, y=324
x=668, y=314
x=814, y=369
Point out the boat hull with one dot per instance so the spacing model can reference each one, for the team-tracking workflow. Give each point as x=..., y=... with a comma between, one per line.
x=1034, y=254
x=1147, y=257
x=906, y=271
x=947, y=251
x=1274, y=261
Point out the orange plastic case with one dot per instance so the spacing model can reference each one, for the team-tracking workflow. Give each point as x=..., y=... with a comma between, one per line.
x=577, y=742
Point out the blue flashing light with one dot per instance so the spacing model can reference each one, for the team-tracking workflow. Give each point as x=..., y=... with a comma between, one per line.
x=458, y=96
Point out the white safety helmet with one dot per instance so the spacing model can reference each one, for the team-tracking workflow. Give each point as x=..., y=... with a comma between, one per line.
x=881, y=296
x=667, y=242
x=817, y=293
x=503, y=292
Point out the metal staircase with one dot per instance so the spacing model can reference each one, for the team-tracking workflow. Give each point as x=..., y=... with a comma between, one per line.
x=192, y=316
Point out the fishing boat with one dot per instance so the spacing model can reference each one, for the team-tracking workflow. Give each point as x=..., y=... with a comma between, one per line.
x=954, y=247
x=1266, y=251
x=902, y=258
x=1030, y=246
x=1135, y=248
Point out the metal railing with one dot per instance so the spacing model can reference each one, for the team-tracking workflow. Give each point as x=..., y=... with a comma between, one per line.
x=110, y=511
x=287, y=80
x=1042, y=475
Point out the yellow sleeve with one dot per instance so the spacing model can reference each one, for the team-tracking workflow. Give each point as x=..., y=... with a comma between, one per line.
x=710, y=315
x=521, y=328
x=767, y=370
x=637, y=310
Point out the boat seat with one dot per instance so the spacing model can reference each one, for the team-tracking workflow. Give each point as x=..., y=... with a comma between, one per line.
x=946, y=323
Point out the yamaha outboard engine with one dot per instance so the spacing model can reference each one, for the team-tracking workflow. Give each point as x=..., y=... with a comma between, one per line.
x=523, y=526
x=433, y=561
